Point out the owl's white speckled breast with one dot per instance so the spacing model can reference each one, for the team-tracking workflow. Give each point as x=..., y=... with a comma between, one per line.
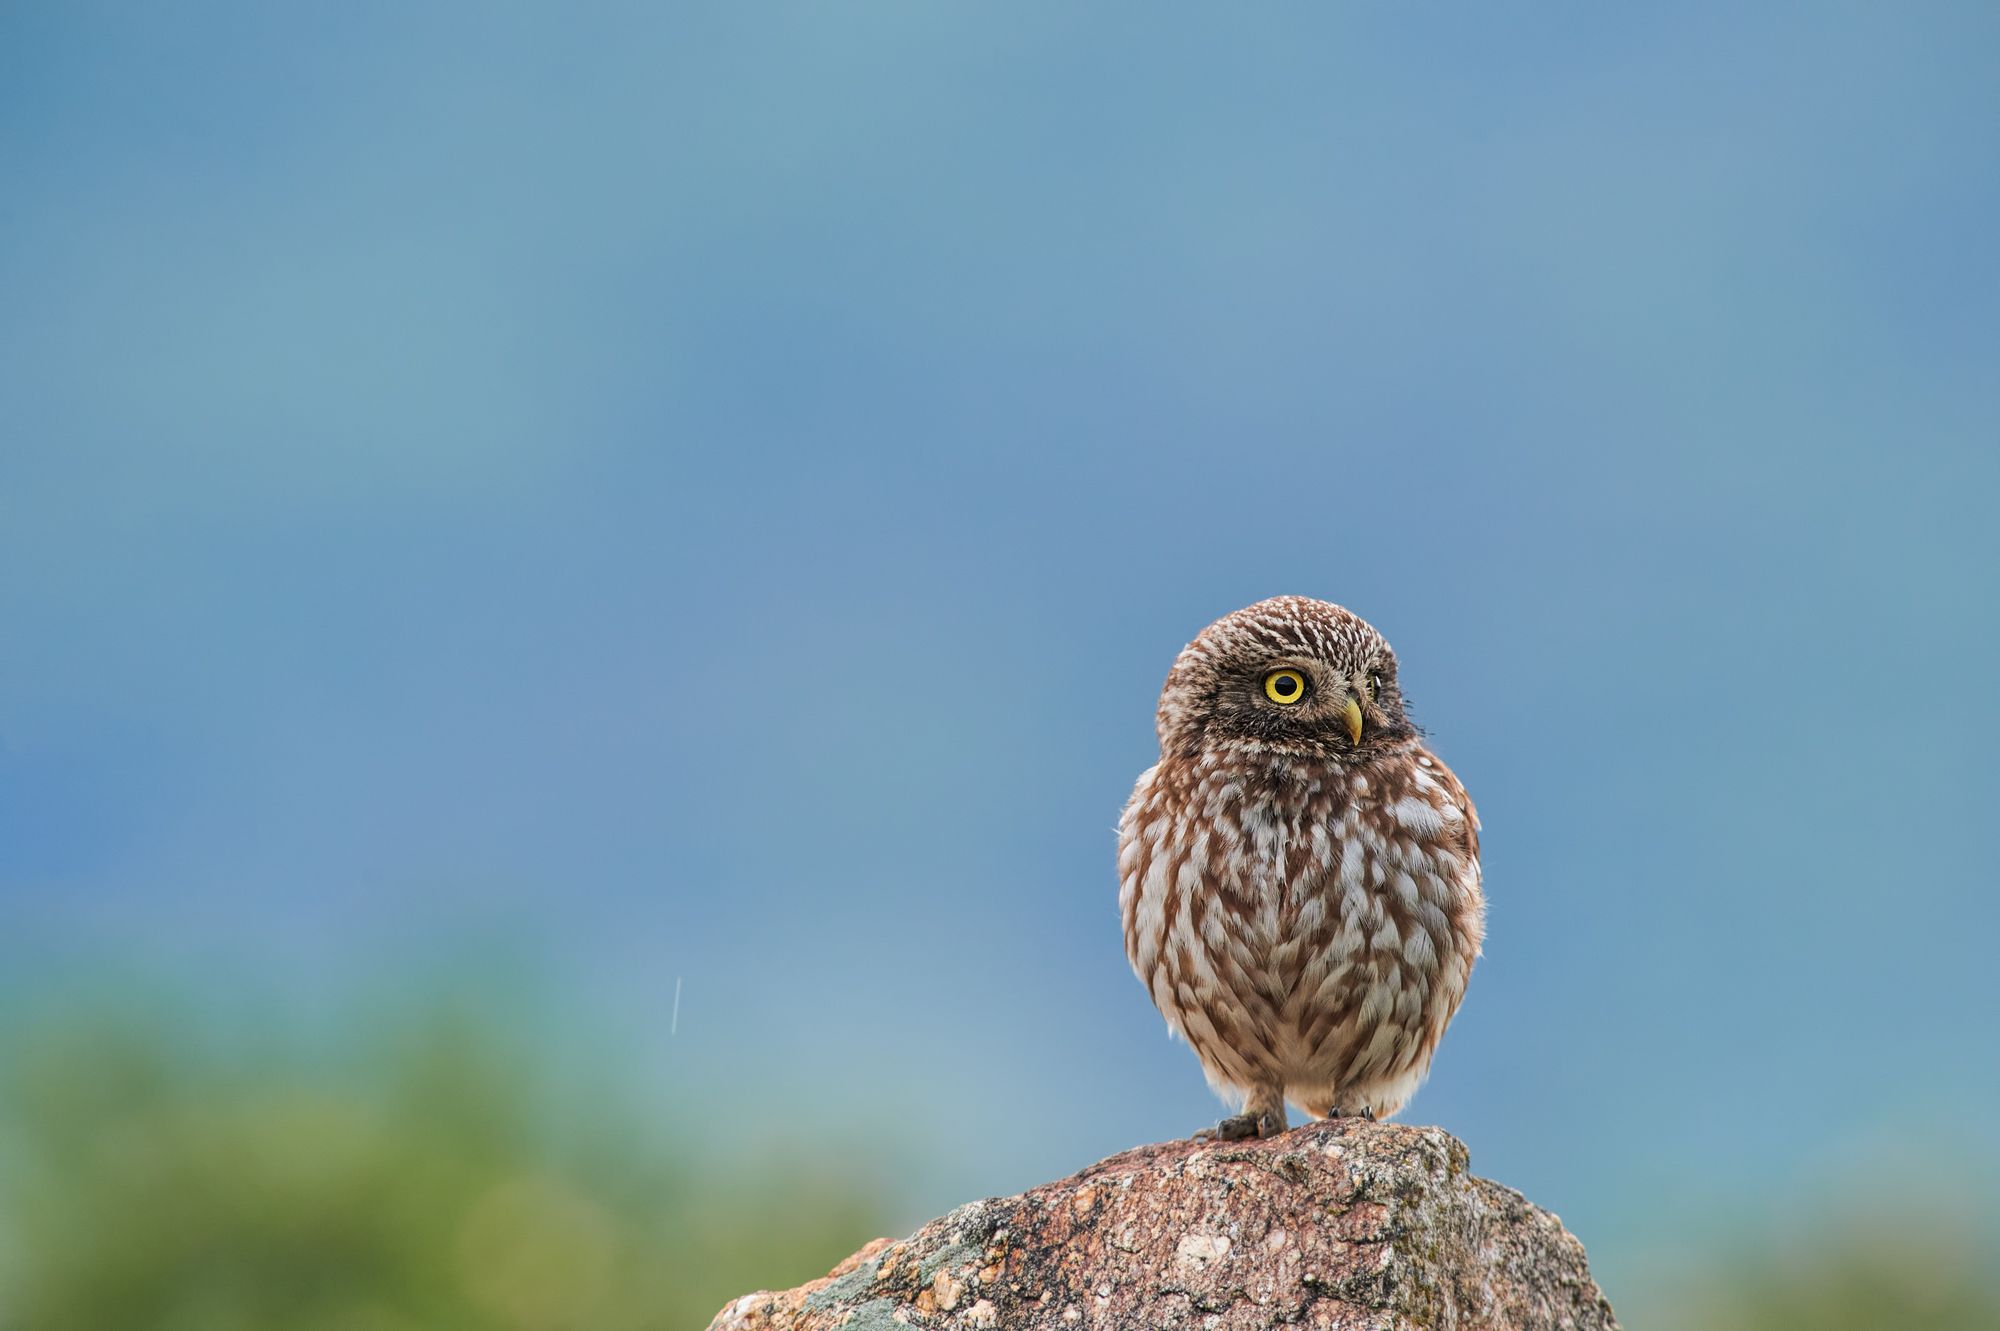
x=1301, y=922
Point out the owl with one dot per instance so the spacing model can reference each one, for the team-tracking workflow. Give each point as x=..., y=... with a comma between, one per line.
x=1298, y=874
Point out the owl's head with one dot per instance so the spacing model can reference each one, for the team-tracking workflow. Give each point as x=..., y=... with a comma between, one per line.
x=1290, y=676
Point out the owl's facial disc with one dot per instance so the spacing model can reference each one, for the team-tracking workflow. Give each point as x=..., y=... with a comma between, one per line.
x=1289, y=676
x=1321, y=696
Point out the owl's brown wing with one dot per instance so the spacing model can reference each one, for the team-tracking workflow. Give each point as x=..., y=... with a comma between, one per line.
x=1453, y=791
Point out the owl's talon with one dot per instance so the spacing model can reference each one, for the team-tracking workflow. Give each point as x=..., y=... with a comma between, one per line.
x=1231, y=1129
x=1242, y=1127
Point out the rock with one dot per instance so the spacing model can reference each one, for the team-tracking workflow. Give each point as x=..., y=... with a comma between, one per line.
x=1341, y=1223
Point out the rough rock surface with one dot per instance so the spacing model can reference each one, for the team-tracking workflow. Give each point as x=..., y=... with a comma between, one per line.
x=1338, y=1224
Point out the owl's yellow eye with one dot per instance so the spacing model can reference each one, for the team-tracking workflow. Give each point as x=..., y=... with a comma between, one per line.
x=1284, y=687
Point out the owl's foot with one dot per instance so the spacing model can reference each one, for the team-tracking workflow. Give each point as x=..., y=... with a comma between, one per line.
x=1366, y=1111
x=1240, y=1127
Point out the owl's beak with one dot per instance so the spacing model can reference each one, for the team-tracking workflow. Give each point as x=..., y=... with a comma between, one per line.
x=1351, y=713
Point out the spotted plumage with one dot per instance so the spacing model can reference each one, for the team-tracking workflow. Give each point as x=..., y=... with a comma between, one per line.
x=1298, y=875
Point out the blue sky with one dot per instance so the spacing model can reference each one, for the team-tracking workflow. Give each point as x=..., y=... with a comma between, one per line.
x=709, y=494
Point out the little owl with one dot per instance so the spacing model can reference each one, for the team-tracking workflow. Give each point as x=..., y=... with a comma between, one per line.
x=1298, y=875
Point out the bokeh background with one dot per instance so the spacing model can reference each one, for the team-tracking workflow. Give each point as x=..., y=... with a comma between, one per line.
x=581, y=588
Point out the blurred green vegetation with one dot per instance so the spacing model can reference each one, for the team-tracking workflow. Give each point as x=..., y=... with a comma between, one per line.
x=430, y=1173
x=432, y=1181
x=1865, y=1264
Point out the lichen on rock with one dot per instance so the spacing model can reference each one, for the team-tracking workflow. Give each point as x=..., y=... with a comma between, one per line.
x=1340, y=1224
